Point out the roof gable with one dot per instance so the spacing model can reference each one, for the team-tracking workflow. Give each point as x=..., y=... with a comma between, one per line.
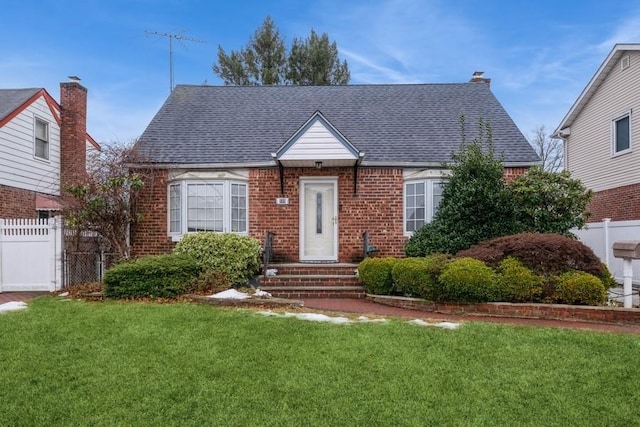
x=317, y=140
x=594, y=84
x=14, y=101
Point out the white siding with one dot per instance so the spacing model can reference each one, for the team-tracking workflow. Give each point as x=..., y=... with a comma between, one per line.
x=18, y=165
x=589, y=148
x=317, y=143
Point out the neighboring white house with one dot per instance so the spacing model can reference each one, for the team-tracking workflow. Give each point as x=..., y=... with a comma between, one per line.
x=40, y=142
x=601, y=132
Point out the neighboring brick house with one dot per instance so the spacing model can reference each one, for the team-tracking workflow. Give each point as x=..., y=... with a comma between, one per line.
x=316, y=165
x=43, y=145
x=601, y=133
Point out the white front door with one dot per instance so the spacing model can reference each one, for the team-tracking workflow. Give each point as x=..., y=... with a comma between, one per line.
x=319, y=219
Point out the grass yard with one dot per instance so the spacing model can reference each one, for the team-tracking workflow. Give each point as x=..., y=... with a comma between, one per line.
x=78, y=363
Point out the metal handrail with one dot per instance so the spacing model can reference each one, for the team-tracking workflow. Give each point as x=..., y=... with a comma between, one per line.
x=267, y=251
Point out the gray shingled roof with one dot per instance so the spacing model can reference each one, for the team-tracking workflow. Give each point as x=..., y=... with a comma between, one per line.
x=417, y=123
x=11, y=99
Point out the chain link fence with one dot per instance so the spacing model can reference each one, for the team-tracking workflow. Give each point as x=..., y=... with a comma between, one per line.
x=85, y=267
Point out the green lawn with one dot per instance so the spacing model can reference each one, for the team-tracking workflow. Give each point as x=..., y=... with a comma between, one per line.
x=76, y=363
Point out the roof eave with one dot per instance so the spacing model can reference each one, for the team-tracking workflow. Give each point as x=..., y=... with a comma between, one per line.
x=594, y=83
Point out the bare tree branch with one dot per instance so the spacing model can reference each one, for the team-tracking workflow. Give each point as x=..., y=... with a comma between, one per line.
x=551, y=151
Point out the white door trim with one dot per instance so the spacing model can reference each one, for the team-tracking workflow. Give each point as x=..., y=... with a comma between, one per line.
x=318, y=180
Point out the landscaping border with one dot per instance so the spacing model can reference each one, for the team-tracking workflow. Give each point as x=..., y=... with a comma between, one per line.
x=582, y=313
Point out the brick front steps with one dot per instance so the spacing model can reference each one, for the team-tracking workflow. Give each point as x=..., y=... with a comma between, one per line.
x=301, y=280
x=600, y=314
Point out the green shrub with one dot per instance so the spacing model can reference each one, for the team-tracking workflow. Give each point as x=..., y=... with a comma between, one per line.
x=211, y=282
x=467, y=280
x=578, y=287
x=545, y=254
x=375, y=275
x=154, y=276
x=518, y=283
x=419, y=276
x=236, y=256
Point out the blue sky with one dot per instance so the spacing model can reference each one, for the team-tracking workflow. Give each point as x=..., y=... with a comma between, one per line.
x=539, y=55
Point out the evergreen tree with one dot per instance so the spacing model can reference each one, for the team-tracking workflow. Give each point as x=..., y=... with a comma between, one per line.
x=265, y=61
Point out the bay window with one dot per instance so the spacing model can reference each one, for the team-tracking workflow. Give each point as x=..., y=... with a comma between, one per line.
x=218, y=206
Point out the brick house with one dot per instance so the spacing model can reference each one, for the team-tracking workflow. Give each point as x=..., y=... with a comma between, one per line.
x=44, y=145
x=317, y=166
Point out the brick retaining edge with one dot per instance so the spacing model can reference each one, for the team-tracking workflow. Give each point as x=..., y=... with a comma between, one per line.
x=581, y=313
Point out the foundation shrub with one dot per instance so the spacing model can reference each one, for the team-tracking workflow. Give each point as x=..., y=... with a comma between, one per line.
x=544, y=254
x=375, y=275
x=234, y=255
x=468, y=280
x=578, y=287
x=154, y=276
x=517, y=283
x=211, y=282
x=419, y=276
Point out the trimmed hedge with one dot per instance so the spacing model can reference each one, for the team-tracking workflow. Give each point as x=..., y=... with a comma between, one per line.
x=545, y=254
x=154, y=276
x=580, y=288
x=517, y=282
x=238, y=257
x=375, y=275
x=468, y=280
x=419, y=276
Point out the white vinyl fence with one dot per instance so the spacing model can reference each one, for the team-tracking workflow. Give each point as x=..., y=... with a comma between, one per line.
x=600, y=236
x=30, y=254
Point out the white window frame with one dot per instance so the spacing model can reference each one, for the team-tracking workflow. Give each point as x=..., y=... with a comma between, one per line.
x=429, y=193
x=183, y=220
x=614, y=134
x=36, y=140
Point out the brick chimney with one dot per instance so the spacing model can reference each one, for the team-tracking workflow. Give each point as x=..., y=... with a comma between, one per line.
x=478, y=77
x=73, y=132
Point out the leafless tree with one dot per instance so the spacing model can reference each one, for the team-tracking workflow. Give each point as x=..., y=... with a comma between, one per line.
x=551, y=151
x=104, y=201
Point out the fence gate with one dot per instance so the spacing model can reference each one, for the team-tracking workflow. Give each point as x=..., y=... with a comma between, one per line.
x=30, y=254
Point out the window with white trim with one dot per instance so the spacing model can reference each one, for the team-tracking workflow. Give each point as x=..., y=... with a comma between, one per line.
x=421, y=201
x=622, y=134
x=41, y=147
x=219, y=206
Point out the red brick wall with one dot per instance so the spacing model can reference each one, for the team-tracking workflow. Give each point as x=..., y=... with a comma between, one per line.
x=150, y=235
x=512, y=173
x=17, y=203
x=377, y=208
x=619, y=204
x=73, y=132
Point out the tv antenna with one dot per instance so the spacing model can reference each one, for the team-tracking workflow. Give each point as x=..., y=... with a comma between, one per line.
x=181, y=38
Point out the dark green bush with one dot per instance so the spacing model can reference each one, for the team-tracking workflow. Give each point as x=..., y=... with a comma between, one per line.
x=468, y=280
x=236, y=256
x=517, y=283
x=419, y=276
x=375, y=275
x=155, y=276
x=578, y=287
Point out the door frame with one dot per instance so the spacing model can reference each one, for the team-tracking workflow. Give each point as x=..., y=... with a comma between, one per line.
x=318, y=180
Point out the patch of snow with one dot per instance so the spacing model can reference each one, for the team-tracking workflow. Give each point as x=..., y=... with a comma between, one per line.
x=365, y=319
x=443, y=325
x=64, y=294
x=261, y=294
x=271, y=272
x=268, y=313
x=230, y=294
x=12, y=306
